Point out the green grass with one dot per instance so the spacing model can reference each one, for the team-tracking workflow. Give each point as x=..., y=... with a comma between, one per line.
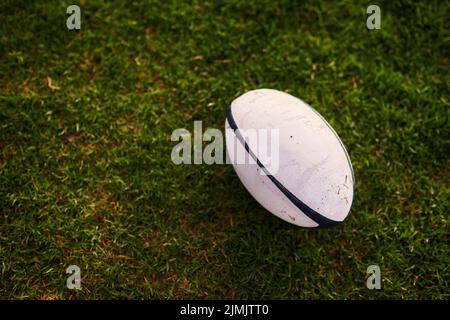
x=85, y=170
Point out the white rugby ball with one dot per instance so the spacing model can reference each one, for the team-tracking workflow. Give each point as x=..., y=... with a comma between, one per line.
x=308, y=178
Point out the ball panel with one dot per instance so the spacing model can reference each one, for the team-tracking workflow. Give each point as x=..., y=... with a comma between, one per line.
x=262, y=188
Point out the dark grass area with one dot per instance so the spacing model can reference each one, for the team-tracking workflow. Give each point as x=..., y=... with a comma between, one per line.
x=86, y=176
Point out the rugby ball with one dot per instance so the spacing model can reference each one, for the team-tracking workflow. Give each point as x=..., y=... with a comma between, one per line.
x=289, y=158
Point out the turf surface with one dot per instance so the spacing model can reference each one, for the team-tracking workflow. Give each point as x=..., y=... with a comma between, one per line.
x=85, y=170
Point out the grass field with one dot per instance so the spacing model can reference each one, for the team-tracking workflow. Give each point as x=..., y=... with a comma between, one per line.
x=86, y=176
